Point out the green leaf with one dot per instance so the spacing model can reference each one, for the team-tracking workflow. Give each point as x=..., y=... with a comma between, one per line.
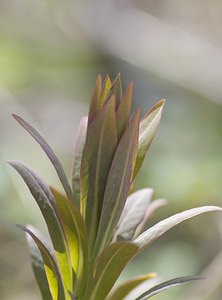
x=123, y=111
x=127, y=286
x=51, y=269
x=75, y=232
x=96, y=102
x=133, y=214
x=118, y=184
x=52, y=221
x=107, y=269
x=38, y=269
x=147, y=131
x=49, y=152
x=106, y=90
x=166, y=285
x=77, y=156
x=153, y=233
x=99, y=149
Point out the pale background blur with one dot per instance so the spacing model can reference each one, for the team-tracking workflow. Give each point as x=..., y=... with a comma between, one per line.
x=51, y=52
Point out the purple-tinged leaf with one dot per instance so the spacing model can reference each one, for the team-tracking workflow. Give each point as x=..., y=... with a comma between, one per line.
x=75, y=233
x=51, y=268
x=127, y=286
x=147, y=131
x=166, y=285
x=133, y=214
x=77, y=157
x=53, y=224
x=116, y=89
x=96, y=103
x=107, y=269
x=38, y=269
x=42, y=183
x=123, y=111
x=152, y=207
x=49, y=152
x=118, y=184
x=71, y=296
x=153, y=233
x=98, y=152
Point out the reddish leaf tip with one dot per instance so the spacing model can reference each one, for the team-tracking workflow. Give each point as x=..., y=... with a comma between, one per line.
x=16, y=117
x=161, y=102
x=129, y=88
x=21, y=227
x=159, y=105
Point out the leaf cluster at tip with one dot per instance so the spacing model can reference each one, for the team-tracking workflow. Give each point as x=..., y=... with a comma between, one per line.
x=97, y=226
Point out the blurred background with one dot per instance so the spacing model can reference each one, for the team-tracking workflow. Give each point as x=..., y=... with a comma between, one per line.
x=51, y=52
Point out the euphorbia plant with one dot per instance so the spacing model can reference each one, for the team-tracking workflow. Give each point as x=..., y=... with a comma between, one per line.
x=97, y=226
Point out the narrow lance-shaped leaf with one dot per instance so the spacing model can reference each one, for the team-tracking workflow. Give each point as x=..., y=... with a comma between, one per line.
x=77, y=157
x=127, y=286
x=72, y=296
x=53, y=224
x=43, y=185
x=97, y=157
x=96, y=102
x=166, y=285
x=107, y=269
x=133, y=214
x=51, y=269
x=153, y=233
x=75, y=232
x=105, y=90
x=152, y=207
x=118, y=184
x=38, y=269
x=116, y=89
x=49, y=152
x=113, y=89
x=123, y=111
x=148, y=127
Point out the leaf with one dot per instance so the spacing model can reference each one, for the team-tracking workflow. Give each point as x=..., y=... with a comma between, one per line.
x=99, y=149
x=72, y=296
x=123, y=111
x=107, y=269
x=147, y=131
x=118, y=184
x=77, y=156
x=116, y=89
x=75, y=232
x=51, y=269
x=38, y=269
x=106, y=90
x=152, y=207
x=166, y=285
x=96, y=102
x=126, y=287
x=49, y=152
x=133, y=214
x=153, y=233
x=43, y=185
x=53, y=224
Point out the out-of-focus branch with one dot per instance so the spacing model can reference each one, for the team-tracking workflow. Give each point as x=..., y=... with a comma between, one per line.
x=208, y=289
x=152, y=44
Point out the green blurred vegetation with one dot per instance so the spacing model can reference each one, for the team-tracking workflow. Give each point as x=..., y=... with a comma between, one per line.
x=50, y=55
